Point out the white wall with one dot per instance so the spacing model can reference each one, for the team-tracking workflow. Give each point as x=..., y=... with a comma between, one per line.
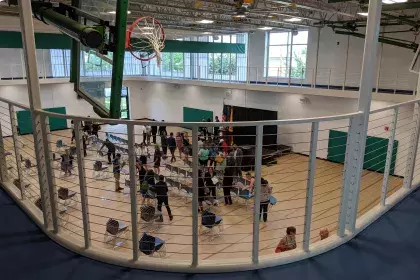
x=333, y=55
x=52, y=95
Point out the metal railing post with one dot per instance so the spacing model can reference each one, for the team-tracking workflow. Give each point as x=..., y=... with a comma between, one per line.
x=396, y=82
x=82, y=182
x=257, y=194
x=53, y=198
x=257, y=77
x=389, y=153
x=348, y=165
x=195, y=196
x=278, y=74
x=133, y=189
x=329, y=79
x=3, y=166
x=310, y=186
x=13, y=124
x=412, y=152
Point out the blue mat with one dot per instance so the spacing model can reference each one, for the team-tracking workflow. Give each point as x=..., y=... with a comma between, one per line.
x=388, y=249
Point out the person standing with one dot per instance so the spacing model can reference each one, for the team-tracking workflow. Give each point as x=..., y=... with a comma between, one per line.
x=164, y=143
x=95, y=129
x=84, y=145
x=156, y=159
x=265, y=199
x=73, y=134
x=208, y=180
x=186, y=148
x=116, y=169
x=216, y=128
x=143, y=153
x=161, y=190
x=172, y=146
x=154, y=131
x=142, y=172
x=148, y=134
x=224, y=147
x=203, y=156
x=237, y=157
x=178, y=140
x=162, y=129
x=144, y=134
x=227, y=185
x=201, y=191
x=111, y=150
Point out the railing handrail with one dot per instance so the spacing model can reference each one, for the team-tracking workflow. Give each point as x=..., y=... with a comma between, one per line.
x=17, y=104
x=394, y=106
x=207, y=124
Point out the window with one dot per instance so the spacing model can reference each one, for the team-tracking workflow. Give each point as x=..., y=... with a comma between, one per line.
x=284, y=49
x=125, y=113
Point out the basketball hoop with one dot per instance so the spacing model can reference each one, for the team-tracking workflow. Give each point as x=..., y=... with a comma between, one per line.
x=146, y=39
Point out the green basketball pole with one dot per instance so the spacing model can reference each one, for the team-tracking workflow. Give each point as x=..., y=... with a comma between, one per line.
x=118, y=58
x=75, y=53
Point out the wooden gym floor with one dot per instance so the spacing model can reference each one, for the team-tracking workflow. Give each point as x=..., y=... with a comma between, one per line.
x=287, y=177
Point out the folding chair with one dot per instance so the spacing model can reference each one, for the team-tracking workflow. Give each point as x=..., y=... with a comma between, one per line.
x=150, y=245
x=63, y=218
x=246, y=195
x=99, y=170
x=59, y=145
x=211, y=222
x=29, y=167
x=273, y=201
x=115, y=230
x=150, y=216
x=67, y=196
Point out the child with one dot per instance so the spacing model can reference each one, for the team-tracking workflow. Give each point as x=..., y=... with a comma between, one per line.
x=288, y=242
x=73, y=134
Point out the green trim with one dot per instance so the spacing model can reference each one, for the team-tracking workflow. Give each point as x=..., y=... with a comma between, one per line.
x=375, y=153
x=13, y=40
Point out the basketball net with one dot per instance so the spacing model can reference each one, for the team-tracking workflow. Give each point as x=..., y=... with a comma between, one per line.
x=146, y=39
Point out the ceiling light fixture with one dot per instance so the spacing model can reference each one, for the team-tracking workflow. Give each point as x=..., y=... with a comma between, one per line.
x=114, y=12
x=240, y=16
x=205, y=21
x=293, y=19
x=265, y=28
x=207, y=33
x=365, y=14
x=393, y=1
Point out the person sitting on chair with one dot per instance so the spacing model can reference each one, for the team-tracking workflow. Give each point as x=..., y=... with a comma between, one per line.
x=117, y=165
x=111, y=149
x=288, y=242
x=161, y=190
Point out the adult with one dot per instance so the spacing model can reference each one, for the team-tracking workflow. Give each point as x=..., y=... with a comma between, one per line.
x=265, y=199
x=117, y=164
x=201, y=190
x=164, y=143
x=288, y=242
x=224, y=146
x=144, y=134
x=212, y=155
x=73, y=134
x=203, y=156
x=156, y=159
x=148, y=134
x=208, y=180
x=162, y=129
x=154, y=131
x=209, y=130
x=67, y=162
x=216, y=128
x=142, y=172
x=161, y=190
x=238, y=155
x=172, y=146
x=186, y=147
x=179, y=145
x=143, y=153
x=111, y=149
x=227, y=184
x=95, y=129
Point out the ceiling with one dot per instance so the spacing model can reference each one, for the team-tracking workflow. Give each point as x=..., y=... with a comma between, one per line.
x=181, y=17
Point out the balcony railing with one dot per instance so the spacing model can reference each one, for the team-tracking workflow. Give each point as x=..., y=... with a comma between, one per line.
x=314, y=181
x=386, y=81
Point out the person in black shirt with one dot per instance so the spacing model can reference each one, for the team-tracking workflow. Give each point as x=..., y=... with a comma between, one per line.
x=154, y=131
x=172, y=146
x=95, y=128
x=142, y=172
x=201, y=190
x=162, y=129
x=164, y=142
x=156, y=159
x=209, y=184
x=216, y=129
x=84, y=145
x=111, y=149
x=116, y=169
x=227, y=184
x=161, y=190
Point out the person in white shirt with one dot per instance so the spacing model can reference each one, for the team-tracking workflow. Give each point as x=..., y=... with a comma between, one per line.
x=148, y=134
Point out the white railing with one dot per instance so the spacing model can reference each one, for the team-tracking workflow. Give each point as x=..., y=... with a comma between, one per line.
x=310, y=165
x=386, y=81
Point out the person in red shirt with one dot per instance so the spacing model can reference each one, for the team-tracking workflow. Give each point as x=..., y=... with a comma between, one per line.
x=224, y=146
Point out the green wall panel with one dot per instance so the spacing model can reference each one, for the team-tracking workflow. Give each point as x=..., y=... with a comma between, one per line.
x=13, y=40
x=25, y=122
x=196, y=115
x=375, y=152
